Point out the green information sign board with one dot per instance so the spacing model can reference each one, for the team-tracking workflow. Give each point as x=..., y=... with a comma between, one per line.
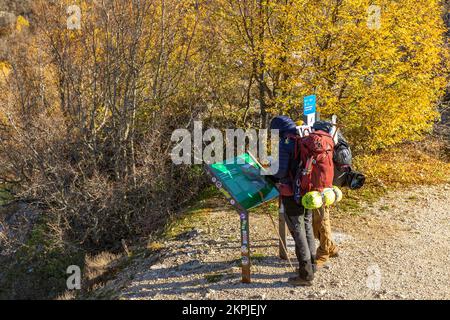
x=241, y=181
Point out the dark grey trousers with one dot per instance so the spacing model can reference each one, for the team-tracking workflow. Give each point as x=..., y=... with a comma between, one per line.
x=299, y=223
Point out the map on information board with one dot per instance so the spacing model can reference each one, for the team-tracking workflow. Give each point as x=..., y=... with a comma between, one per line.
x=241, y=181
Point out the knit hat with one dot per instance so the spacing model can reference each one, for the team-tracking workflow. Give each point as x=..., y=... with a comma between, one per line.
x=283, y=123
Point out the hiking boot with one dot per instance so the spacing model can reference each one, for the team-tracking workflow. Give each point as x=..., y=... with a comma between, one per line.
x=314, y=268
x=298, y=281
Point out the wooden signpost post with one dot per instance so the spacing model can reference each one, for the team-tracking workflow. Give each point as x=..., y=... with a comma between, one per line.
x=244, y=228
x=245, y=246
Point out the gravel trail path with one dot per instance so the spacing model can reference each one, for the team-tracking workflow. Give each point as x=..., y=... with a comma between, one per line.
x=392, y=250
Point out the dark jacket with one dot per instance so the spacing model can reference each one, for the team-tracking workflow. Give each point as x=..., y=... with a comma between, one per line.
x=287, y=165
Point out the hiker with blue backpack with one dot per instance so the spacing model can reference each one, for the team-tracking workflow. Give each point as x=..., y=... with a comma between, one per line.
x=307, y=165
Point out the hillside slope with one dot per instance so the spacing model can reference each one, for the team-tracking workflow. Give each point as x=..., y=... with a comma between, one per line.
x=403, y=240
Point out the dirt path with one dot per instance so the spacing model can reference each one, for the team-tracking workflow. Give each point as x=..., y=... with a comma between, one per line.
x=398, y=249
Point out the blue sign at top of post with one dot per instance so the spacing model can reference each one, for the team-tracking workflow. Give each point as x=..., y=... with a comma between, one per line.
x=309, y=105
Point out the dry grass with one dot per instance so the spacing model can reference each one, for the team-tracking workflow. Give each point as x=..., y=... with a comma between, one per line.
x=154, y=246
x=67, y=295
x=410, y=164
x=405, y=165
x=98, y=264
x=98, y=270
x=101, y=268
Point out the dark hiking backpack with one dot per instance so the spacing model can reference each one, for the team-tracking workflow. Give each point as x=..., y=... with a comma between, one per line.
x=344, y=175
x=348, y=178
x=342, y=156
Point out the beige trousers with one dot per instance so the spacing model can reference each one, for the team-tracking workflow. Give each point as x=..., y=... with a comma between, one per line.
x=322, y=232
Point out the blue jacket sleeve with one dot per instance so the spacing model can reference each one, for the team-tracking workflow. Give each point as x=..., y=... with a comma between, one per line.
x=285, y=154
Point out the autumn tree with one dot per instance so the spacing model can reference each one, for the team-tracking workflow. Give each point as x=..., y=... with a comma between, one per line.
x=90, y=111
x=87, y=113
x=383, y=78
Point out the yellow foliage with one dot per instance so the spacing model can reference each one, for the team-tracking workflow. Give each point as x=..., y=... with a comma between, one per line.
x=5, y=69
x=403, y=166
x=21, y=23
x=383, y=82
